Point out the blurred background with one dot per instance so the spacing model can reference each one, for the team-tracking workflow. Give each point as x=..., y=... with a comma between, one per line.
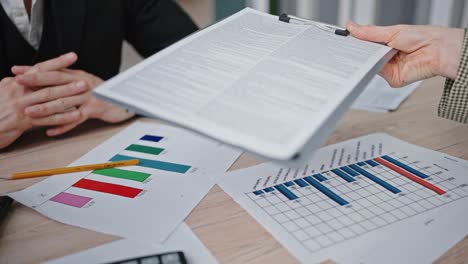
x=452, y=13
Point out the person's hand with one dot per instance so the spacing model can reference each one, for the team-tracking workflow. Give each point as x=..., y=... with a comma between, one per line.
x=14, y=98
x=424, y=51
x=55, y=77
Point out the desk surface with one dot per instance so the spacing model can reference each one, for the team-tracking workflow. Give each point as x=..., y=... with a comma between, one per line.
x=231, y=234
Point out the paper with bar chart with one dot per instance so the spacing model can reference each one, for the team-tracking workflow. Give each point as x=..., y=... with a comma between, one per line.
x=145, y=202
x=358, y=197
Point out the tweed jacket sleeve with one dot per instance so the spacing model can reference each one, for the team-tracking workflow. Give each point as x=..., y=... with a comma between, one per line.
x=454, y=102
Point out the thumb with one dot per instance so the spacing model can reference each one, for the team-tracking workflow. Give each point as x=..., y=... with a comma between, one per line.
x=374, y=33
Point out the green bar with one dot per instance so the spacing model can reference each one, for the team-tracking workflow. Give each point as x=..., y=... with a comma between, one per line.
x=145, y=149
x=123, y=174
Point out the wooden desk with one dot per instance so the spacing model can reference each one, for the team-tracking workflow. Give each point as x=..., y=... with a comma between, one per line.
x=228, y=231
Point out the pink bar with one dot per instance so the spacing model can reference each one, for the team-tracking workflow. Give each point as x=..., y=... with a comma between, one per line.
x=71, y=199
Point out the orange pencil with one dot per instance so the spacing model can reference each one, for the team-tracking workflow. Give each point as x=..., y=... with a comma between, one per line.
x=48, y=172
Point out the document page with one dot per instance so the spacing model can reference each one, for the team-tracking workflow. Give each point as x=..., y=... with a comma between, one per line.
x=249, y=80
x=144, y=202
x=183, y=239
x=359, y=201
x=379, y=96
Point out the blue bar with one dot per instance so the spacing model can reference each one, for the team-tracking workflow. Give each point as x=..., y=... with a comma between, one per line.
x=376, y=179
x=259, y=192
x=372, y=163
x=326, y=191
x=151, y=138
x=343, y=175
x=155, y=164
x=286, y=192
x=301, y=183
x=350, y=171
x=289, y=183
x=320, y=177
x=361, y=163
x=406, y=167
x=268, y=189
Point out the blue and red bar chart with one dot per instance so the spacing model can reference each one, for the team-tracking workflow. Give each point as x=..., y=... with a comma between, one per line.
x=348, y=175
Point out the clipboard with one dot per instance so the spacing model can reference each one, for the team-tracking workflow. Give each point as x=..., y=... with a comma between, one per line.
x=311, y=147
x=298, y=149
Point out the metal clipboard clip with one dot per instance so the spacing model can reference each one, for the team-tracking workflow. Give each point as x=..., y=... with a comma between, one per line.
x=326, y=27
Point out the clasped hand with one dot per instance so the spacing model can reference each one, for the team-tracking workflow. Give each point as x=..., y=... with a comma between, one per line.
x=49, y=94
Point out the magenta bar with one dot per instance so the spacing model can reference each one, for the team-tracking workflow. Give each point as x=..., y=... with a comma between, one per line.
x=71, y=199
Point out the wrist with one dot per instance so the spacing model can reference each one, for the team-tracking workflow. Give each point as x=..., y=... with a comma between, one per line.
x=450, y=52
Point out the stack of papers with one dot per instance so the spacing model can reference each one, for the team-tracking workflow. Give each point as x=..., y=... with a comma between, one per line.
x=379, y=96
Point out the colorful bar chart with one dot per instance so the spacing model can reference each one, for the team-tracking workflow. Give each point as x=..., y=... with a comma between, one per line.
x=71, y=199
x=123, y=174
x=155, y=164
x=144, y=149
x=109, y=188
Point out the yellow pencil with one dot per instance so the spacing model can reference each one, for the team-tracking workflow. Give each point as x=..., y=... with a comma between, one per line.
x=48, y=172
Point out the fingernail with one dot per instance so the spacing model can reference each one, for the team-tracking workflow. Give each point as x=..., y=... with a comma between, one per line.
x=15, y=69
x=70, y=55
x=81, y=84
x=75, y=114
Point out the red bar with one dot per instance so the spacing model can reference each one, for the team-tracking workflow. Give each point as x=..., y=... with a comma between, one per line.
x=410, y=176
x=105, y=187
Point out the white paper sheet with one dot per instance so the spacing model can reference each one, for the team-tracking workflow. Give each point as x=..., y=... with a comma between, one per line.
x=162, y=200
x=252, y=81
x=379, y=96
x=384, y=218
x=183, y=239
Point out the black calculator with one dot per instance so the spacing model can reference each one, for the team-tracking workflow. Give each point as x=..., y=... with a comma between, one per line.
x=176, y=257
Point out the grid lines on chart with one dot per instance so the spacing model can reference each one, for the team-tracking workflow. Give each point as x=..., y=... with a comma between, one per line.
x=317, y=222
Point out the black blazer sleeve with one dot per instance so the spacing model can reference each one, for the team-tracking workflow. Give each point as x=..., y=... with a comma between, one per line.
x=151, y=25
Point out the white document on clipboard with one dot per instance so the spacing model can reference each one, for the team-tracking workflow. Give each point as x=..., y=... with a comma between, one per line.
x=270, y=87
